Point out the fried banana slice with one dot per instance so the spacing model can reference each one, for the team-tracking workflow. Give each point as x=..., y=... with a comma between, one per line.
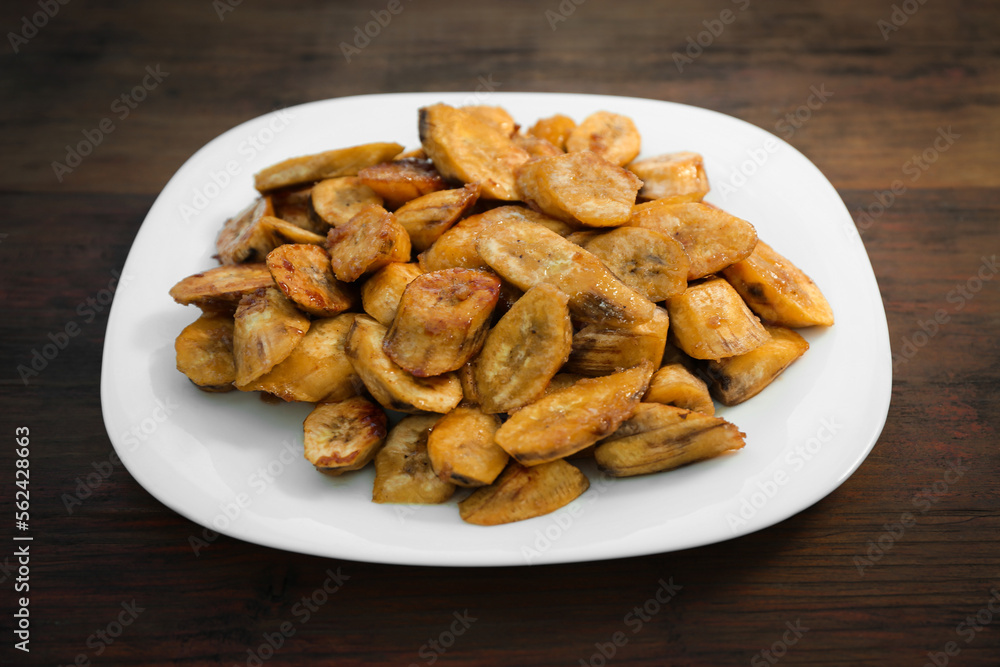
x=369, y=241
x=652, y=264
x=524, y=350
x=612, y=136
x=663, y=437
x=521, y=493
x=336, y=200
x=205, y=352
x=566, y=421
x=402, y=180
x=294, y=205
x=403, y=472
x=675, y=385
x=381, y=293
x=536, y=147
x=462, y=450
x=268, y=327
x=579, y=188
x=710, y=321
x=343, y=436
x=779, y=291
x=736, y=379
x=303, y=274
x=471, y=150
x=498, y=117
x=672, y=175
x=554, y=129
x=600, y=350
x=317, y=368
x=712, y=238
x=220, y=289
x=527, y=254
x=390, y=385
x=283, y=232
x=426, y=218
x=329, y=164
x=243, y=238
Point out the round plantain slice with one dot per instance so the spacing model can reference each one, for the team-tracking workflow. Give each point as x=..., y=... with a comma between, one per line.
x=677, y=175
x=403, y=471
x=343, y=436
x=205, y=352
x=612, y=136
x=369, y=241
x=402, y=180
x=554, y=129
x=268, y=327
x=523, y=493
x=381, y=293
x=651, y=263
x=462, y=449
x=220, y=289
x=337, y=200
x=303, y=273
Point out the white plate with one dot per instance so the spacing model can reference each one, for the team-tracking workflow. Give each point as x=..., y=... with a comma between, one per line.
x=234, y=463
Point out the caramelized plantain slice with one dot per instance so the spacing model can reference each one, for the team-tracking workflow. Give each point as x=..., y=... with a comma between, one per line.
x=303, y=274
x=566, y=421
x=462, y=450
x=402, y=180
x=205, y=352
x=390, y=385
x=329, y=164
x=381, y=293
x=268, y=327
x=426, y=218
x=678, y=175
x=369, y=241
x=243, y=238
x=336, y=200
x=600, y=350
x=524, y=350
x=675, y=385
x=343, y=436
x=403, y=472
x=612, y=136
x=652, y=264
x=663, y=437
x=579, y=188
x=779, y=291
x=294, y=205
x=220, y=289
x=534, y=146
x=283, y=232
x=498, y=117
x=521, y=493
x=742, y=377
x=710, y=321
x=554, y=129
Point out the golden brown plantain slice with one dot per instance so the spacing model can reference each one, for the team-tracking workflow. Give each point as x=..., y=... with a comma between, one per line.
x=712, y=238
x=336, y=200
x=778, y=291
x=710, y=321
x=389, y=384
x=442, y=320
x=742, y=377
x=426, y=218
x=462, y=450
x=663, y=437
x=467, y=148
x=205, y=352
x=534, y=146
x=369, y=241
x=498, y=117
x=329, y=164
x=675, y=385
x=558, y=382
x=402, y=180
x=524, y=350
x=566, y=421
x=283, y=232
x=403, y=472
x=600, y=350
x=612, y=136
x=243, y=238
x=343, y=436
x=381, y=293
x=652, y=264
x=672, y=175
x=521, y=493
x=303, y=274
x=294, y=205
x=579, y=188
x=268, y=327
x=220, y=289
x=527, y=254
x=554, y=129
x=317, y=369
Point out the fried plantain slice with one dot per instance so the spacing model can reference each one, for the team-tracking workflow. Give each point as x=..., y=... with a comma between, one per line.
x=204, y=351
x=663, y=437
x=566, y=421
x=678, y=175
x=442, y=320
x=243, y=238
x=521, y=493
x=498, y=117
x=600, y=350
x=649, y=262
x=329, y=164
x=303, y=274
x=390, y=385
x=554, y=129
x=675, y=385
x=710, y=321
x=402, y=180
x=779, y=291
x=381, y=293
x=579, y=188
x=426, y=218
x=220, y=289
x=403, y=472
x=612, y=136
x=462, y=450
x=343, y=436
x=466, y=148
x=369, y=241
x=524, y=350
x=527, y=254
x=268, y=327
x=284, y=232
x=737, y=379
x=336, y=200
x=534, y=146
x=294, y=205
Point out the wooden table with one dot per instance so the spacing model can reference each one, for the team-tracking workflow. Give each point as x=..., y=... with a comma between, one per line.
x=883, y=86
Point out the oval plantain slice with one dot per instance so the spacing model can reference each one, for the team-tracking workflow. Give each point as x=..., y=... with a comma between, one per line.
x=554, y=129
x=381, y=293
x=612, y=136
x=737, y=379
x=303, y=273
x=336, y=200
x=678, y=175
x=649, y=262
x=524, y=350
x=220, y=289
x=600, y=350
x=710, y=321
x=675, y=385
x=329, y=164
x=283, y=232
x=462, y=449
x=294, y=205
x=243, y=238
x=205, y=352
x=534, y=146
x=343, y=436
x=403, y=472
x=369, y=241
x=521, y=493
x=390, y=385
x=498, y=117
x=402, y=180
x=268, y=327
x=426, y=218
x=566, y=421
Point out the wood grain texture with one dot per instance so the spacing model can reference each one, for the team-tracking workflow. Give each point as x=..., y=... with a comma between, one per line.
x=63, y=240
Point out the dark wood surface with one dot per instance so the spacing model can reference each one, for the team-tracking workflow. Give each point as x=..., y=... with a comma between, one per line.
x=60, y=241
